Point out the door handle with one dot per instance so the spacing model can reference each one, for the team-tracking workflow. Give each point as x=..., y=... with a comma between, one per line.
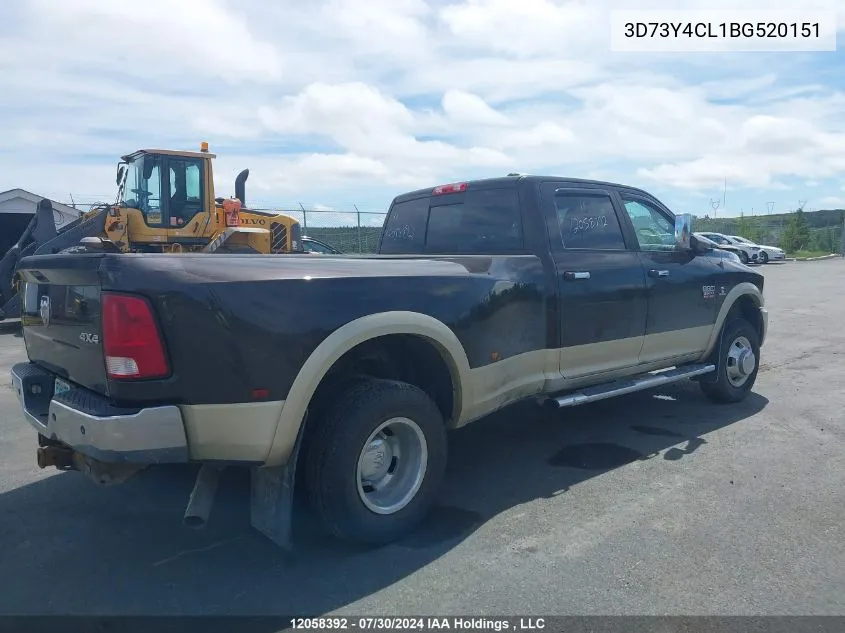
x=658, y=273
x=575, y=276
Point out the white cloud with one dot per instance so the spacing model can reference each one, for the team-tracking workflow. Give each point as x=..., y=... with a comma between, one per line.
x=833, y=201
x=338, y=97
x=466, y=108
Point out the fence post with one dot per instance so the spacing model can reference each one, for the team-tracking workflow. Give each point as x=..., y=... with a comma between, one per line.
x=842, y=240
x=360, y=249
x=304, y=218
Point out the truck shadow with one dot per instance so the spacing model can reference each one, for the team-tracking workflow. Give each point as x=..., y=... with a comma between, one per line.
x=11, y=328
x=122, y=550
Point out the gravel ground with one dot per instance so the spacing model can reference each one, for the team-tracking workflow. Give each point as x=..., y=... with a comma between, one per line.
x=675, y=506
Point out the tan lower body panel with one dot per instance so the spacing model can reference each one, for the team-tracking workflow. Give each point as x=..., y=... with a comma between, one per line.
x=545, y=371
x=676, y=343
x=237, y=432
x=245, y=432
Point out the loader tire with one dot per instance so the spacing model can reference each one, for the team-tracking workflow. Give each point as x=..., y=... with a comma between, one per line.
x=375, y=461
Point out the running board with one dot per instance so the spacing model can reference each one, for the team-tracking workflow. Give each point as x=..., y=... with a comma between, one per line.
x=621, y=387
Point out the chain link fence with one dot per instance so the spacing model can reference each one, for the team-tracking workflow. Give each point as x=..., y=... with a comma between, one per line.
x=347, y=231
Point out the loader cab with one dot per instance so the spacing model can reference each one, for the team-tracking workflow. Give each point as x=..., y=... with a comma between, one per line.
x=169, y=188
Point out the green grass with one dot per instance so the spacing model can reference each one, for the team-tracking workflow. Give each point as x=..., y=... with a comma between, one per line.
x=807, y=254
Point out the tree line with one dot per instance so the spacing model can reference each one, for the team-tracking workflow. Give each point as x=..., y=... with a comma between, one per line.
x=796, y=231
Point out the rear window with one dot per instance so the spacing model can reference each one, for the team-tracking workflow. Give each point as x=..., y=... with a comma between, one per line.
x=482, y=221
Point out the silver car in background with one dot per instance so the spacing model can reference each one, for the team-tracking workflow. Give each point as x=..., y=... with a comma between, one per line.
x=767, y=253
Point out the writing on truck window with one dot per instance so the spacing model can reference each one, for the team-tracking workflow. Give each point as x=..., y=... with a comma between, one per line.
x=404, y=232
x=404, y=228
x=588, y=221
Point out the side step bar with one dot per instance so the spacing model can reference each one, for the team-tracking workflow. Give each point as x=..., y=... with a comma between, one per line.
x=621, y=387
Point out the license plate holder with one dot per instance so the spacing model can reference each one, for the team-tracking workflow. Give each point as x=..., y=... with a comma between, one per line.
x=60, y=387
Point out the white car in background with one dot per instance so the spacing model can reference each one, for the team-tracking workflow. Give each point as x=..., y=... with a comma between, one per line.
x=748, y=253
x=767, y=253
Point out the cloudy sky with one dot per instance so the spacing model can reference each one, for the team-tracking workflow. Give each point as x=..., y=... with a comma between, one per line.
x=342, y=102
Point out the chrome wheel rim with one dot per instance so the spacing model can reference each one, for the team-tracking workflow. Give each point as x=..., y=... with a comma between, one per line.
x=392, y=465
x=741, y=361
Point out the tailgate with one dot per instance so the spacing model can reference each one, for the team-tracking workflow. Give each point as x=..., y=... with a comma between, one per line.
x=60, y=314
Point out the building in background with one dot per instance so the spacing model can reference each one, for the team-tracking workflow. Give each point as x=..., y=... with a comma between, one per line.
x=17, y=206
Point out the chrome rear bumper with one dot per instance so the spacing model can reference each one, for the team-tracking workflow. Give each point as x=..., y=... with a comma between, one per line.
x=88, y=423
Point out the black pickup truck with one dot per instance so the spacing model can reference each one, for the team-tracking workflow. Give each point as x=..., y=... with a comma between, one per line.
x=339, y=376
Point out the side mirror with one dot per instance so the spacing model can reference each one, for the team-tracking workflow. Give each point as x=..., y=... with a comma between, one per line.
x=683, y=231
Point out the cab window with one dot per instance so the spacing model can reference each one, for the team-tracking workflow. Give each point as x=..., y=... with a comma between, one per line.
x=480, y=221
x=150, y=191
x=485, y=221
x=185, y=190
x=655, y=232
x=588, y=221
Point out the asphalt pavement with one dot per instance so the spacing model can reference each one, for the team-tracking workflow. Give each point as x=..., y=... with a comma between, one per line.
x=653, y=503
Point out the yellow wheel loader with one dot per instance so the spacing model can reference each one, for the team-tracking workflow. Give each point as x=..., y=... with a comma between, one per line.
x=165, y=204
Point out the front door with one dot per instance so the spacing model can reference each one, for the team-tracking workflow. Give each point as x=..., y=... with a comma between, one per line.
x=601, y=288
x=681, y=286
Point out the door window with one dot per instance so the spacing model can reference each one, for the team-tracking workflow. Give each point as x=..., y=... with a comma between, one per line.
x=588, y=221
x=151, y=202
x=185, y=190
x=655, y=232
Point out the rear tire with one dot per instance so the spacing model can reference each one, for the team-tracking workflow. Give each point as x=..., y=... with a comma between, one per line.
x=374, y=490
x=743, y=257
x=739, y=357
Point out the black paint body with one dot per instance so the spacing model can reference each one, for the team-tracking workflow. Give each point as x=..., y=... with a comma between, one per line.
x=235, y=323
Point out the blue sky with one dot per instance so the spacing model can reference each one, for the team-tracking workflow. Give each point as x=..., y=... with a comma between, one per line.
x=339, y=102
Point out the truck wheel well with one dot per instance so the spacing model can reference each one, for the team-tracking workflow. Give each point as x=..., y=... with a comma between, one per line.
x=747, y=308
x=405, y=357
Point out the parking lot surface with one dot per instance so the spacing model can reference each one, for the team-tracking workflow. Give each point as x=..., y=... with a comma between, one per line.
x=653, y=503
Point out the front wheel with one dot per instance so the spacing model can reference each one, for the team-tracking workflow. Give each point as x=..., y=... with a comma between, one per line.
x=764, y=257
x=737, y=362
x=375, y=461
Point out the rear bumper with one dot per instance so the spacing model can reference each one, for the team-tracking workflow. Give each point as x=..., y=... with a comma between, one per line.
x=88, y=423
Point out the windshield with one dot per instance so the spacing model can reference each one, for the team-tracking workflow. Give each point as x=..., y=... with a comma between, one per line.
x=142, y=187
x=741, y=240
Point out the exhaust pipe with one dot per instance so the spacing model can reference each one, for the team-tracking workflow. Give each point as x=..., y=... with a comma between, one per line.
x=240, y=187
x=202, y=497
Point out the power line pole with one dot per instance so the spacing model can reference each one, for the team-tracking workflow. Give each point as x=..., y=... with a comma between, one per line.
x=771, y=207
x=725, y=196
x=801, y=204
x=715, y=204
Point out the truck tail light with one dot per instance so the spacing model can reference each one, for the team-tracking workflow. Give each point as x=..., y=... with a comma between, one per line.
x=455, y=187
x=131, y=340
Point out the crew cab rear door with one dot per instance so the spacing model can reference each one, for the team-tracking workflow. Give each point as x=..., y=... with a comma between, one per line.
x=681, y=286
x=601, y=287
